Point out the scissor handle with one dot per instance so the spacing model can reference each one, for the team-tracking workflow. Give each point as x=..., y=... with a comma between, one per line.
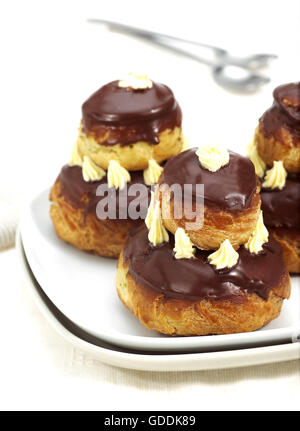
x=152, y=34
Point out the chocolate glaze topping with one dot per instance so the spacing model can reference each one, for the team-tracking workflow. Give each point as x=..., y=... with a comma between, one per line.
x=231, y=188
x=195, y=279
x=284, y=113
x=82, y=194
x=134, y=115
x=281, y=208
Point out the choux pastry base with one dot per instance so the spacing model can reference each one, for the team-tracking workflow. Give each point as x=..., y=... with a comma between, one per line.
x=218, y=225
x=132, y=157
x=87, y=232
x=290, y=243
x=184, y=317
x=271, y=150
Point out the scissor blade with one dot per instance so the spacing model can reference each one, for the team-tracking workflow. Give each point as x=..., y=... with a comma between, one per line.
x=146, y=33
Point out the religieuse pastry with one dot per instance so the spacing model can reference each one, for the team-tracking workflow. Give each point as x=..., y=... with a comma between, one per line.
x=275, y=152
x=114, y=162
x=174, y=287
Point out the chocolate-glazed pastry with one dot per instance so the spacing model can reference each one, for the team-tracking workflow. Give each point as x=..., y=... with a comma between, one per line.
x=83, y=194
x=75, y=218
x=195, y=279
x=173, y=284
x=128, y=129
x=281, y=209
x=191, y=297
x=231, y=188
x=140, y=115
x=131, y=125
x=231, y=199
x=278, y=134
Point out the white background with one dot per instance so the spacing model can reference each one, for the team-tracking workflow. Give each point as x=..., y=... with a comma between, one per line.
x=51, y=61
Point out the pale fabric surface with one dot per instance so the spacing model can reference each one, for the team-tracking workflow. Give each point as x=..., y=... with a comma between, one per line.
x=51, y=62
x=39, y=370
x=8, y=224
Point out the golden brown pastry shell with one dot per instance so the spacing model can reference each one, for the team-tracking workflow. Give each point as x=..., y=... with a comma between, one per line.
x=218, y=225
x=87, y=232
x=184, y=317
x=132, y=157
x=289, y=239
x=286, y=149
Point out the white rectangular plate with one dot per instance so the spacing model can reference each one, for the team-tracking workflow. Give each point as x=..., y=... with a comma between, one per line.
x=82, y=287
x=174, y=362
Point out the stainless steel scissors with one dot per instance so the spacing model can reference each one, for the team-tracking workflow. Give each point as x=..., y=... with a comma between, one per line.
x=223, y=65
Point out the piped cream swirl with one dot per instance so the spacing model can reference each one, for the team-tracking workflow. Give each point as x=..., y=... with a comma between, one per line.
x=149, y=216
x=258, y=237
x=184, y=248
x=225, y=256
x=157, y=232
x=212, y=157
x=90, y=171
x=76, y=159
x=117, y=176
x=255, y=158
x=136, y=81
x=152, y=173
x=275, y=177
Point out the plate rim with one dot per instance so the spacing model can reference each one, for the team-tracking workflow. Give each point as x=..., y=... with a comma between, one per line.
x=138, y=342
x=159, y=362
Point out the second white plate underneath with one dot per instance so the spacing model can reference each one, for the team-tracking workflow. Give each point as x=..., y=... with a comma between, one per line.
x=82, y=286
x=114, y=355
